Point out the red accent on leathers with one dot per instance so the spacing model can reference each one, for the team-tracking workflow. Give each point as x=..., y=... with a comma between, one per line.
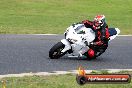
x=107, y=33
x=88, y=23
x=99, y=41
x=91, y=53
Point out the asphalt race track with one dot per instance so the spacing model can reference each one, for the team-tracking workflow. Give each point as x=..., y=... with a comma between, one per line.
x=29, y=53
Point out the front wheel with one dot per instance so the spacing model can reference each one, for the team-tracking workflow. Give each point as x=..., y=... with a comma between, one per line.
x=55, y=51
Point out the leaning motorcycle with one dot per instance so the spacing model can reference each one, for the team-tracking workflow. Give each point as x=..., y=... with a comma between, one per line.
x=78, y=39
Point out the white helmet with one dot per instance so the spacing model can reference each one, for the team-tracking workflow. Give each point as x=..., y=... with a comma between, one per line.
x=99, y=21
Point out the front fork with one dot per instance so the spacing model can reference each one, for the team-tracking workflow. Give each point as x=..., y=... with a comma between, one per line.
x=67, y=45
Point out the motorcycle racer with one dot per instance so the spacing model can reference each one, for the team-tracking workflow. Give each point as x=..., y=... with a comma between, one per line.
x=99, y=26
x=85, y=39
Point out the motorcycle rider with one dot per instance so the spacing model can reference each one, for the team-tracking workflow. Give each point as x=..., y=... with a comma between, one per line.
x=99, y=26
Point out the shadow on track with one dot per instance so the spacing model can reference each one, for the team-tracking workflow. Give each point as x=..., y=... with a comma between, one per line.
x=79, y=59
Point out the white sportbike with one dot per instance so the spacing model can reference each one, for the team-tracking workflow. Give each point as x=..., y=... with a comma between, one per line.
x=77, y=42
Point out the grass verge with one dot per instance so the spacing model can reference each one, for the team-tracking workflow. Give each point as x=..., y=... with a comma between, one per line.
x=54, y=16
x=56, y=81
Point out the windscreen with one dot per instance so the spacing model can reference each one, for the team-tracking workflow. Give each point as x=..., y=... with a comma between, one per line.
x=79, y=30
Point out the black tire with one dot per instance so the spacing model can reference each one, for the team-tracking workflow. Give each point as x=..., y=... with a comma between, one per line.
x=101, y=50
x=89, y=58
x=55, y=51
x=81, y=80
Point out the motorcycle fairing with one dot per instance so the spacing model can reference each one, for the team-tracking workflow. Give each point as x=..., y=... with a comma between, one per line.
x=114, y=32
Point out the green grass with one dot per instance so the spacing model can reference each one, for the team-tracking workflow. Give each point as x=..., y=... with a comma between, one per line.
x=54, y=16
x=60, y=81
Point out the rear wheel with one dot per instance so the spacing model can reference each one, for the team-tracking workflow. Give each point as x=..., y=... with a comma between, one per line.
x=55, y=51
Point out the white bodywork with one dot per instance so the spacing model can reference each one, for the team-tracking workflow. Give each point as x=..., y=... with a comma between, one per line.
x=78, y=39
x=73, y=33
